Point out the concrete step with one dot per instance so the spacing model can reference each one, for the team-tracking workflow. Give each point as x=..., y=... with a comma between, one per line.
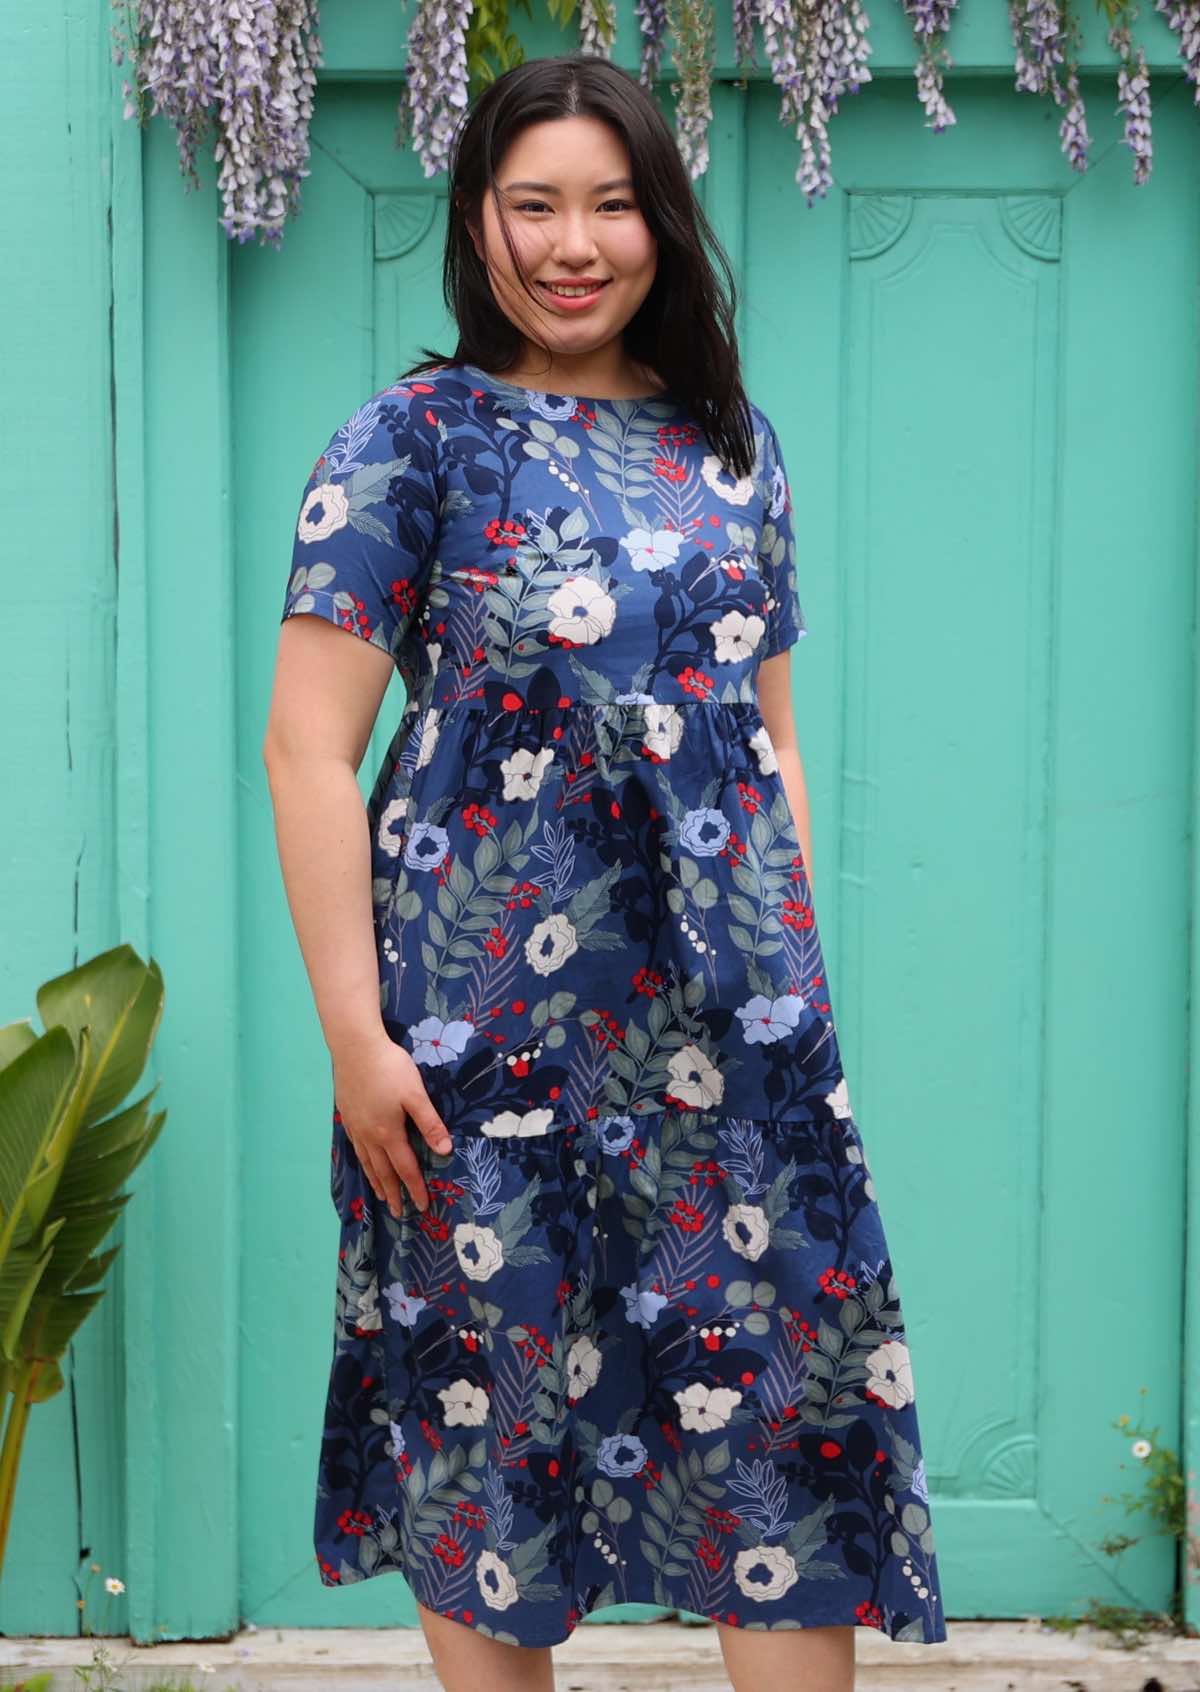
x=670, y=1656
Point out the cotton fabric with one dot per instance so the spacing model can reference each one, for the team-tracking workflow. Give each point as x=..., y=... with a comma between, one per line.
x=646, y=1344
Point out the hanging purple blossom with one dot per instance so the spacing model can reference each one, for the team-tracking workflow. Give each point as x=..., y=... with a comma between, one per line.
x=691, y=23
x=780, y=31
x=743, y=34
x=930, y=20
x=1133, y=98
x=248, y=67
x=1036, y=27
x=1073, y=130
x=845, y=34
x=597, y=27
x=1183, y=16
x=256, y=62
x=1047, y=39
x=815, y=53
x=652, y=27
x=436, y=84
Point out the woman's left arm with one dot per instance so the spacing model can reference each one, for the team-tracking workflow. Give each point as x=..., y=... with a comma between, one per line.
x=775, y=705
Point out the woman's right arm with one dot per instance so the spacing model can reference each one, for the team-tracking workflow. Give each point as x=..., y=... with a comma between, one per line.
x=327, y=692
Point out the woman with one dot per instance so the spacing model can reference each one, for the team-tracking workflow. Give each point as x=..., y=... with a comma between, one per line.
x=636, y=1336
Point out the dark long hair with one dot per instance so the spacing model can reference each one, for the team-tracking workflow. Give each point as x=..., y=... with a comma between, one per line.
x=684, y=328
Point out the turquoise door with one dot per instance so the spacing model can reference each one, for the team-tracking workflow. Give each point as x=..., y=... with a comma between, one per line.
x=983, y=369
x=983, y=373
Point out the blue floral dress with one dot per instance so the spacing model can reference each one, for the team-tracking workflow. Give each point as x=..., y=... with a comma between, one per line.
x=646, y=1343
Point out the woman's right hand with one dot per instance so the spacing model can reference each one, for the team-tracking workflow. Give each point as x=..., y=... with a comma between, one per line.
x=377, y=1086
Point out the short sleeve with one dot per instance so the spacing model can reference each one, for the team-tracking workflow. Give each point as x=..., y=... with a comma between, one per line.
x=777, y=550
x=368, y=523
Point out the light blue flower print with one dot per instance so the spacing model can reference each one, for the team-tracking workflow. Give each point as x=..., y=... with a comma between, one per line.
x=920, y=1485
x=435, y=1041
x=766, y=1019
x=621, y=1455
x=403, y=1306
x=555, y=408
x=642, y=1307
x=652, y=549
x=615, y=1133
x=777, y=496
x=703, y=832
x=427, y=846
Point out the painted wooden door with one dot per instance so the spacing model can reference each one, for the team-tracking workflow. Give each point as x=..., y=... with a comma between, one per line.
x=983, y=374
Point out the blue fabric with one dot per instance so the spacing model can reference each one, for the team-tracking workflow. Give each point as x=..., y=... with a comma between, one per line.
x=646, y=1343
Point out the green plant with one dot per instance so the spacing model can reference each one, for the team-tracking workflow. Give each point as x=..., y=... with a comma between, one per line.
x=101, y=1675
x=63, y=1157
x=1163, y=1497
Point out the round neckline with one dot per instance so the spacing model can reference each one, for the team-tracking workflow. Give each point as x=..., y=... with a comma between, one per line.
x=662, y=397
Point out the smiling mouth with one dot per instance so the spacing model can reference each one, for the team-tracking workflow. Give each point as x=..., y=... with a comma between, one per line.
x=593, y=290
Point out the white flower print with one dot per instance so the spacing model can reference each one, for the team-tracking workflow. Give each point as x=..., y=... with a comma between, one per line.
x=368, y=1316
x=523, y=772
x=551, y=943
x=509, y=1123
x=394, y=812
x=464, y=1405
x=664, y=730
x=652, y=549
x=736, y=636
x=889, y=1373
x=495, y=1581
x=581, y=611
x=694, y=1079
x=765, y=1571
x=703, y=1409
x=399, y=1443
x=839, y=1100
x=427, y=730
x=736, y=490
x=584, y=1361
x=335, y=512
x=479, y=1250
x=760, y=745
x=746, y=1230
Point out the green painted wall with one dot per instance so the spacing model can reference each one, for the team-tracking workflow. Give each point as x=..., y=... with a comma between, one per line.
x=984, y=372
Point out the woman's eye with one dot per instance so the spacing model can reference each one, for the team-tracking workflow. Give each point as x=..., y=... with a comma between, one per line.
x=540, y=205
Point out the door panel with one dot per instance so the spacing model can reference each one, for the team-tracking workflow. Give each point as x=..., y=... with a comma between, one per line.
x=985, y=370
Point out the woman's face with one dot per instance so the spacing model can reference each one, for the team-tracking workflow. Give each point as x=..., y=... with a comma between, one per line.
x=580, y=219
